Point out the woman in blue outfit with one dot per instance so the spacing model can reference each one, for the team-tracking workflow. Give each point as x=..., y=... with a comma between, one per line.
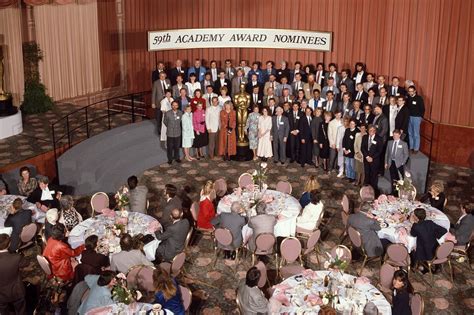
x=167, y=292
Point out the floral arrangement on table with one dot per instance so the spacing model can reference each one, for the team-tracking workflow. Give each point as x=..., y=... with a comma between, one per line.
x=259, y=175
x=405, y=187
x=122, y=294
x=122, y=197
x=336, y=263
x=328, y=297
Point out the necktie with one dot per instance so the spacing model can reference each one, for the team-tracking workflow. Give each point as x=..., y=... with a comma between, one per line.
x=329, y=106
x=228, y=72
x=278, y=122
x=382, y=100
x=209, y=99
x=317, y=77
x=294, y=116
x=358, y=96
x=240, y=80
x=164, y=86
x=179, y=70
x=394, y=149
x=370, y=142
x=255, y=98
x=309, y=121
x=393, y=91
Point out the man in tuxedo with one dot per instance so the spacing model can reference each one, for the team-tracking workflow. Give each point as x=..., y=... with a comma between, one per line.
x=198, y=70
x=402, y=119
x=395, y=89
x=283, y=71
x=368, y=117
x=257, y=71
x=372, y=150
x=173, y=201
x=271, y=83
x=360, y=94
x=331, y=105
x=280, y=131
x=137, y=195
x=293, y=146
x=173, y=238
x=229, y=70
x=177, y=70
x=270, y=70
x=222, y=81
x=17, y=218
x=396, y=156
x=306, y=138
x=238, y=79
x=416, y=105
x=284, y=85
x=297, y=85
x=270, y=94
x=45, y=196
x=256, y=97
x=286, y=97
x=310, y=87
x=11, y=286
x=253, y=82
x=214, y=70
x=346, y=79
x=178, y=86
x=158, y=94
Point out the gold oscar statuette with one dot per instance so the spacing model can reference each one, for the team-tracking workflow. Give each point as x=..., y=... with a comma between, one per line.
x=241, y=103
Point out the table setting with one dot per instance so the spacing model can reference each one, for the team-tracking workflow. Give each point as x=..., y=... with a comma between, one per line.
x=6, y=202
x=131, y=309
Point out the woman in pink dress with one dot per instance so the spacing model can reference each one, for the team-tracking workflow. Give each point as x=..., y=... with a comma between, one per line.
x=200, y=131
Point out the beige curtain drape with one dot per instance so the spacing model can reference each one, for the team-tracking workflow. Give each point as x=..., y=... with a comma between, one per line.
x=68, y=36
x=10, y=39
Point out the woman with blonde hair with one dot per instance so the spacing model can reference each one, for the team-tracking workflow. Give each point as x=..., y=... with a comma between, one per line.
x=223, y=97
x=206, y=206
x=311, y=184
x=167, y=292
x=435, y=195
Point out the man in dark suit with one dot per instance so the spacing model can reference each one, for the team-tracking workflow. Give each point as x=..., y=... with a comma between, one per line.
x=283, y=71
x=17, y=219
x=286, y=97
x=396, y=156
x=403, y=117
x=297, y=85
x=372, y=150
x=238, y=79
x=293, y=144
x=256, y=71
x=173, y=238
x=368, y=117
x=207, y=81
x=367, y=226
x=395, y=89
x=45, y=196
x=382, y=98
x=360, y=94
x=346, y=79
x=331, y=105
x=159, y=89
x=427, y=233
x=380, y=122
x=12, y=290
x=280, y=131
x=214, y=70
x=306, y=139
x=172, y=121
x=229, y=70
x=177, y=70
x=172, y=202
x=256, y=97
x=222, y=81
x=159, y=68
x=253, y=82
x=464, y=227
x=270, y=70
x=234, y=222
x=381, y=84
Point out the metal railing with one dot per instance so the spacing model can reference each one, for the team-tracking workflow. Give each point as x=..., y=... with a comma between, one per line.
x=75, y=127
x=430, y=140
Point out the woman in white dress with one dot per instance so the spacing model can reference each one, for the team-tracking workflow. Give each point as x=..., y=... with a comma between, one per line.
x=192, y=85
x=187, y=132
x=165, y=106
x=224, y=97
x=264, y=149
x=312, y=214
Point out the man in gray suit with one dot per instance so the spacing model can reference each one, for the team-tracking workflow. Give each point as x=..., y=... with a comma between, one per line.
x=173, y=238
x=238, y=79
x=172, y=202
x=138, y=195
x=280, y=131
x=172, y=121
x=234, y=222
x=464, y=228
x=396, y=156
x=158, y=93
x=367, y=226
x=261, y=223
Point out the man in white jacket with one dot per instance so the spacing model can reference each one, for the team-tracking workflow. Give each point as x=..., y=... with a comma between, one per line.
x=340, y=152
x=332, y=135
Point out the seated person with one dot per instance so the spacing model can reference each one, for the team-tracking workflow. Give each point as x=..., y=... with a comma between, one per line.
x=261, y=223
x=50, y=221
x=59, y=253
x=367, y=226
x=234, y=222
x=45, y=195
x=311, y=184
x=26, y=184
x=68, y=214
x=402, y=290
x=91, y=257
x=206, y=207
x=128, y=257
x=173, y=238
x=12, y=290
x=100, y=293
x=172, y=201
x=17, y=219
x=251, y=298
x=3, y=188
x=464, y=227
x=167, y=292
x=137, y=195
x=312, y=213
x=427, y=234
x=435, y=196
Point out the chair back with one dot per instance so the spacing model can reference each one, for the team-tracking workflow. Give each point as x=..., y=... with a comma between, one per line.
x=223, y=237
x=312, y=241
x=220, y=186
x=284, y=187
x=187, y=297
x=195, y=210
x=145, y=278
x=345, y=203
x=188, y=238
x=386, y=275
x=178, y=263
x=398, y=253
x=239, y=304
x=416, y=304
x=442, y=252
x=44, y=264
x=85, y=295
x=264, y=243
x=344, y=217
x=367, y=193
x=263, y=274
x=99, y=202
x=132, y=276
x=355, y=237
x=28, y=232
x=290, y=249
x=245, y=179
x=346, y=253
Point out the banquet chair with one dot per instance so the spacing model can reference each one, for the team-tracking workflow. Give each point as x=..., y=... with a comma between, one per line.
x=346, y=256
x=174, y=268
x=417, y=305
x=145, y=279
x=132, y=276
x=462, y=251
x=312, y=245
x=356, y=240
x=284, y=187
x=186, y=296
x=245, y=179
x=195, y=211
x=264, y=243
x=44, y=264
x=99, y=202
x=442, y=256
x=239, y=304
x=220, y=186
x=187, y=241
x=345, y=218
x=224, y=238
x=386, y=277
x=367, y=193
x=345, y=203
x=263, y=274
x=27, y=236
x=290, y=251
x=397, y=255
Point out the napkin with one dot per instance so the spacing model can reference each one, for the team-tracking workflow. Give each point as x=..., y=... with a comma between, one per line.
x=362, y=280
x=267, y=198
x=282, y=298
x=314, y=299
x=238, y=191
x=100, y=311
x=108, y=213
x=382, y=198
x=391, y=198
x=226, y=201
x=403, y=235
x=153, y=226
x=282, y=287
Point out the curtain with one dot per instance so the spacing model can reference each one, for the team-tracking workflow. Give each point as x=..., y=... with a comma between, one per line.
x=7, y=3
x=10, y=40
x=68, y=36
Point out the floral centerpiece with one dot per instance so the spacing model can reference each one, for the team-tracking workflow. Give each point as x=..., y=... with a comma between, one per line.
x=122, y=294
x=121, y=222
x=405, y=187
x=122, y=198
x=336, y=263
x=259, y=176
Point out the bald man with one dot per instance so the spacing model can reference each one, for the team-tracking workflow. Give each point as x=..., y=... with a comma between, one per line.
x=172, y=240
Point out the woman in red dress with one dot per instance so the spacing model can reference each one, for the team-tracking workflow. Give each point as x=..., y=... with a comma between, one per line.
x=206, y=207
x=227, y=135
x=198, y=99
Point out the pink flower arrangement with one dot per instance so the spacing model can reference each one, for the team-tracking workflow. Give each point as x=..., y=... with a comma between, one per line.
x=250, y=187
x=121, y=220
x=362, y=280
x=382, y=198
x=391, y=198
x=314, y=300
x=153, y=226
x=238, y=191
x=108, y=213
x=267, y=198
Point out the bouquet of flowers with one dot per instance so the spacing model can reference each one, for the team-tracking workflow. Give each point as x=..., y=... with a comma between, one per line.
x=122, y=294
x=336, y=263
x=121, y=197
x=405, y=186
x=259, y=175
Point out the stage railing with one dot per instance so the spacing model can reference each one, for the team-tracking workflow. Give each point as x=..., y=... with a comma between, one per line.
x=428, y=137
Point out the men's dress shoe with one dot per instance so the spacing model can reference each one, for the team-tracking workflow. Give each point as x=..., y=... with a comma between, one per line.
x=170, y=162
x=275, y=162
x=178, y=160
x=282, y=163
x=292, y=161
x=232, y=256
x=415, y=151
x=302, y=165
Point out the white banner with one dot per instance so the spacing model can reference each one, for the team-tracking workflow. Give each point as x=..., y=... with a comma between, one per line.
x=238, y=38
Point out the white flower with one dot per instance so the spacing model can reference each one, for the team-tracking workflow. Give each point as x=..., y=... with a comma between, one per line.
x=254, y=173
x=263, y=165
x=407, y=174
x=139, y=295
x=124, y=214
x=339, y=252
x=264, y=186
x=121, y=276
x=326, y=264
x=325, y=301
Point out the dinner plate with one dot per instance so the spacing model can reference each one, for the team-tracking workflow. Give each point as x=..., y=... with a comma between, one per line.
x=383, y=225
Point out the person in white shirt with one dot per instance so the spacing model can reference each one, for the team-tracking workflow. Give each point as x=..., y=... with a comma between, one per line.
x=392, y=114
x=316, y=101
x=214, y=71
x=212, y=124
x=193, y=85
x=312, y=213
x=165, y=106
x=332, y=135
x=223, y=97
x=341, y=130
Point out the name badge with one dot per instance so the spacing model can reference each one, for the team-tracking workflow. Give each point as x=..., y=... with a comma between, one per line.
x=322, y=77
x=225, y=83
x=257, y=73
x=374, y=142
x=231, y=73
x=347, y=109
x=259, y=101
x=279, y=72
x=351, y=137
x=177, y=117
x=182, y=71
x=202, y=73
x=414, y=102
x=297, y=117
x=203, y=115
x=400, y=146
x=281, y=123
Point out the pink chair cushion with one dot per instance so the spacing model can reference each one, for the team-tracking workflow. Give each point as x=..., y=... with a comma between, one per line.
x=99, y=202
x=367, y=193
x=220, y=186
x=284, y=187
x=312, y=241
x=345, y=217
x=44, y=264
x=145, y=278
x=28, y=232
x=245, y=179
x=443, y=252
x=291, y=270
x=290, y=249
x=132, y=280
x=223, y=237
x=346, y=255
x=264, y=244
x=345, y=203
x=416, y=304
x=354, y=236
x=178, y=263
x=263, y=274
x=166, y=266
x=186, y=296
x=386, y=275
x=398, y=253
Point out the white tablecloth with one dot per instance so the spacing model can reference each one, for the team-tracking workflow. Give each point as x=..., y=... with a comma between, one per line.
x=137, y=223
x=385, y=210
x=301, y=287
x=6, y=202
x=132, y=309
x=283, y=205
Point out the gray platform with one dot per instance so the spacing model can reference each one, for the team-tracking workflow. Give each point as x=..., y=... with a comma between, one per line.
x=104, y=162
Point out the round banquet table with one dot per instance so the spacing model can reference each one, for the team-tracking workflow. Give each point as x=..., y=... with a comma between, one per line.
x=388, y=213
x=285, y=206
x=301, y=294
x=122, y=309
x=6, y=202
x=137, y=223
